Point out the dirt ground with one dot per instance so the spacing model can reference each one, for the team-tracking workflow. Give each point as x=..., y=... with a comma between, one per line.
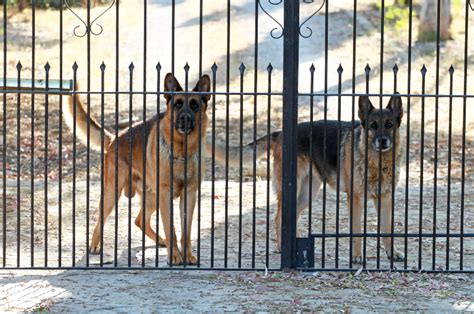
x=145, y=291
x=420, y=211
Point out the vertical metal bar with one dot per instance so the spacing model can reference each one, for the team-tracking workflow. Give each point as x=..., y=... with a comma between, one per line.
x=422, y=159
x=144, y=140
x=435, y=170
x=311, y=118
x=290, y=119
x=213, y=159
x=60, y=138
x=200, y=142
x=338, y=164
x=117, y=87
x=32, y=144
x=4, y=151
x=394, y=149
x=74, y=151
x=173, y=21
x=102, y=170
x=464, y=124
x=227, y=104
x=254, y=174
x=158, y=155
x=131, y=67
x=450, y=135
x=366, y=170
x=184, y=232
x=379, y=193
x=269, y=116
x=18, y=166
x=46, y=148
x=326, y=71
x=407, y=160
x=351, y=189
x=88, y=146
x=241, y=143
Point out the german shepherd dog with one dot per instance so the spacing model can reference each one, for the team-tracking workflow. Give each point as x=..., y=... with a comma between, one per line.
x=188, y=111
x=376, y=126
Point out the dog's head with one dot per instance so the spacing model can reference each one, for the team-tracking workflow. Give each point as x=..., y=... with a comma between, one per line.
x=186, y=108
x=380, y=125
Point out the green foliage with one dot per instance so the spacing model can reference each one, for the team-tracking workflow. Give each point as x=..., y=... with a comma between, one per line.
x=396, y=16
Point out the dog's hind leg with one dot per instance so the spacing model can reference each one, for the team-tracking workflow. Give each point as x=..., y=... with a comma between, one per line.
x=108, y=201
x=304, y=195
x=150, y=209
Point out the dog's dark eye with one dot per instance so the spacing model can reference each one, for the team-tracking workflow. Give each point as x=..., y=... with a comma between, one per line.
x=374, y=125
x=388, y=125
x=194, y=105
x=178, y=104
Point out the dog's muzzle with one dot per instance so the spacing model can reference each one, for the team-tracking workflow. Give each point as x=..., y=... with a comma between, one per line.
x=185, y=123
x=382, y=144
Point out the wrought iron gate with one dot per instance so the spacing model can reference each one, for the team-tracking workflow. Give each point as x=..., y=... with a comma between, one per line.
x=117, y=62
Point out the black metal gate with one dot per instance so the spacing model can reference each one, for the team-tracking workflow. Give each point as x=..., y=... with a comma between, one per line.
x=324, y=59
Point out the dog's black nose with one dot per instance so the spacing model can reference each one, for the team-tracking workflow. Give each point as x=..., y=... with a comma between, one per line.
x=383, y=143
x=185, y=122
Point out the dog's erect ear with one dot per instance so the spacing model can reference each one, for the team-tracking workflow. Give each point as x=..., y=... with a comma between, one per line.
x=203, y=85
x=396, y=106
x=365, y=107
x=171, y=85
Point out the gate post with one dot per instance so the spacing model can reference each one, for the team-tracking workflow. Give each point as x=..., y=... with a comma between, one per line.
x=290, y=120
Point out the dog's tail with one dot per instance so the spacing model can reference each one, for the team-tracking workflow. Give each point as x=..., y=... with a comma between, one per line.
x=260, y=147
x=82, y=120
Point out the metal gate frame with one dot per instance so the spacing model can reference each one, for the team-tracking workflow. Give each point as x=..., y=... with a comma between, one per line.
x=296, y=253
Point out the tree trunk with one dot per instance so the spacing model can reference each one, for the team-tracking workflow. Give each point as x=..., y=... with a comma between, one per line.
x=429, y=20
x=22, y=5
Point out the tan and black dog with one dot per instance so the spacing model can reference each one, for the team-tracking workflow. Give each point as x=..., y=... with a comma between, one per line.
x=187, y=112
x=376, y=126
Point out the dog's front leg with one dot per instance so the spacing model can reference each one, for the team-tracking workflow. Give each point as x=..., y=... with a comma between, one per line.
x=356, y=228
x=165, y=211
x=386, y=227
x=186, y=247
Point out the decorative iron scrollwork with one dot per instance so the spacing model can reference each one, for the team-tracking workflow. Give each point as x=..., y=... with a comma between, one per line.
x=88, y=28
x=307, y=20
x=280, y=29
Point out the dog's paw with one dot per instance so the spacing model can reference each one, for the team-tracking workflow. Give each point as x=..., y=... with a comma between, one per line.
x=161, y=242
x=357, y=259
x=397, y=256
x=94, y=249
x=176, y=259
x=191, y=260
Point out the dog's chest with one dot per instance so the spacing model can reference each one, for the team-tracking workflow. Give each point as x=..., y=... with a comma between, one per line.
x=380, y=176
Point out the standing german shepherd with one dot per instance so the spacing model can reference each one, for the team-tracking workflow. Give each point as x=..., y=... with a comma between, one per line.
x=187, y=112
x=380, y=128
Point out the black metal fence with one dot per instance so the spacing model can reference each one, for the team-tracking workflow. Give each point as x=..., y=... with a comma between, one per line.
x=193, y=163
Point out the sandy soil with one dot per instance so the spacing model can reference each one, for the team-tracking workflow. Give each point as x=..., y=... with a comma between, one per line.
x=145, y=291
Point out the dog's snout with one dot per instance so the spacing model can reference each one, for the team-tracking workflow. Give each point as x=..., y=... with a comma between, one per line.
x=383, y=143
x=185, y=123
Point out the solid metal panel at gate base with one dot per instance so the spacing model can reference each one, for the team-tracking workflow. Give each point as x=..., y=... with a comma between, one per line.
x=237, y=135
